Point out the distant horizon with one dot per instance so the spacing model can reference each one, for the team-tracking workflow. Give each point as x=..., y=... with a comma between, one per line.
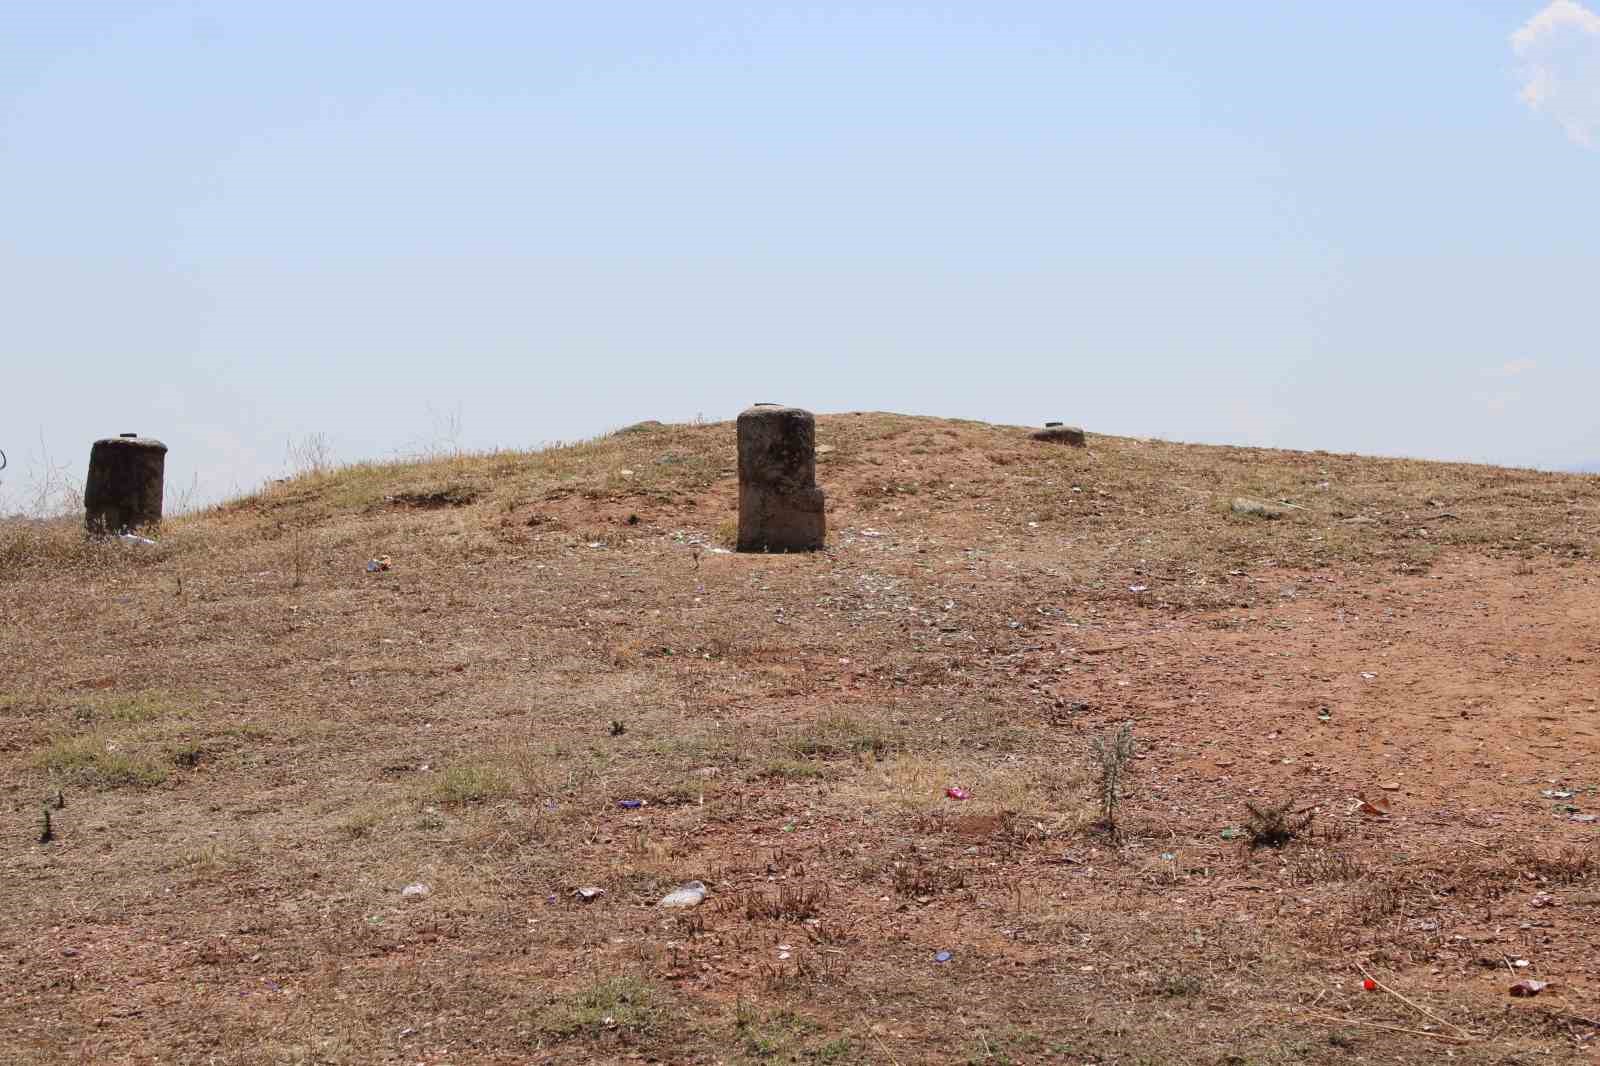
x=18, y=486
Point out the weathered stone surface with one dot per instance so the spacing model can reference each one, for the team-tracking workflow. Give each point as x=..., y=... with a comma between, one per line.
x=126, y=481
x=1258, y=508
x=780, y=505
x=1056, y=433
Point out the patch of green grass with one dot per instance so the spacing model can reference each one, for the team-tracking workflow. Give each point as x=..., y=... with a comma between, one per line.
x=98, y=761
x=786, y=1037
x=361, y=823
x=473, y=784
x=137, y=707
x=187, y=754
x=624, y=1007
x=998, y=1047
x=836, y=1050
x=836, y=735
x=789, y=770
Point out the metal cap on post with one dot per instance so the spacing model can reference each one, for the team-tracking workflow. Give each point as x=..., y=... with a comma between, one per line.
x=127, y=477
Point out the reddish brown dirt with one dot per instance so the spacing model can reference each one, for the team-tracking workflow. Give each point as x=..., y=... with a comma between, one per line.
x=256, y=763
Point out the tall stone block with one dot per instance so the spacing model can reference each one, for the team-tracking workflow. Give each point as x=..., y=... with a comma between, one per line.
x=126, y=480
x=780, y=505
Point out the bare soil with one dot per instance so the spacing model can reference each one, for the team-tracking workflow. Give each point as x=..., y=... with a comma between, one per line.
x=260, y=745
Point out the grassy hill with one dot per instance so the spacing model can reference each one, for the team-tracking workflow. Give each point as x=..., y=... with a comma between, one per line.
x=261, y=744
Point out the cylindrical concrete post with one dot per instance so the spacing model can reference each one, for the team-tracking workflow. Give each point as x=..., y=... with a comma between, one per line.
x=780, y=506
x=1057, y=433
x=126, y=480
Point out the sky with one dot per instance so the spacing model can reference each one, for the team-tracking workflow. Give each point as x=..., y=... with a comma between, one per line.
x=1354, y=226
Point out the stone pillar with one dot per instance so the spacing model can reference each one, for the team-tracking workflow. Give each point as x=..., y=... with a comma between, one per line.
x=126, y=478
x=1056, y=433
x=780, y=506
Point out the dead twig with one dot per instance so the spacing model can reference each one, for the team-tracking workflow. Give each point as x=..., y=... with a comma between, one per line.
x=1424, y=1011
x=879, y=1039
x=1446, y=1037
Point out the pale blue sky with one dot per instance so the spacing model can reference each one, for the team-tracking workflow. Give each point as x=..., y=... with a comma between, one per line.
x=1355, y=226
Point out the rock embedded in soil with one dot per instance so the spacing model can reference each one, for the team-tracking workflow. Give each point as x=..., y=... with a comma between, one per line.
x=691, y=894
x=125, y=484
x=780, y=505
x=1258, y=508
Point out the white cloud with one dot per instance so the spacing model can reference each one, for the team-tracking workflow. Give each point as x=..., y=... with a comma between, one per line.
x=1560, y=53
x=1511, y=369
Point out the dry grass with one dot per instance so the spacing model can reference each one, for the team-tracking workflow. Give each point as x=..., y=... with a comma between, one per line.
x=261, y=744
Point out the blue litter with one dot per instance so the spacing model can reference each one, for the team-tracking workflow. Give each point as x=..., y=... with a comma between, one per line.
x=629, y=805
x=943, y=956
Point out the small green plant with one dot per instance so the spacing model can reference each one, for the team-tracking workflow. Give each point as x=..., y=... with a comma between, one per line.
x=623, y=1007
x=1111, y=757
x=46, y=833
x=1274, y=826
x=360, y=824
x=138, y=707
x=617, y=727
x=95, y=760
x=472, y=784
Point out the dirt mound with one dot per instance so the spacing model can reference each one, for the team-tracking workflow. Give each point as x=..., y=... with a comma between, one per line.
x=566, y=679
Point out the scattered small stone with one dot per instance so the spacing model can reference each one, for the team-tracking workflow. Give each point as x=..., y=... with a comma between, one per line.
x=691, y=894
x=416, y=891
x=1258, y=508
x=587, y=893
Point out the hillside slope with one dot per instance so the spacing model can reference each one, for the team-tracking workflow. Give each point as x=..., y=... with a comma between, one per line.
x=260, y=744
